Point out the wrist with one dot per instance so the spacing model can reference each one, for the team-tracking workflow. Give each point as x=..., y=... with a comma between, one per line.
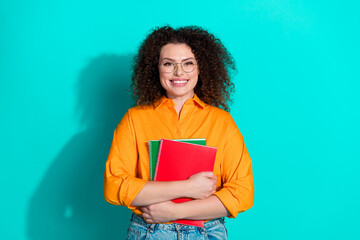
x=186, y=189
x=178, y=211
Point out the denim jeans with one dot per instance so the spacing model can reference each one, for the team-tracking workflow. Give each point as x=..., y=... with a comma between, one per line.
x=212, y=230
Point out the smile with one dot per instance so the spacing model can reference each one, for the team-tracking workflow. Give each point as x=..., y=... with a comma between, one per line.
x=179, y=82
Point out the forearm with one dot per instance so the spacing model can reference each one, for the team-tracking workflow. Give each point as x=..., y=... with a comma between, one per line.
x=198, y=186
x=208, y=208
x=155, y=192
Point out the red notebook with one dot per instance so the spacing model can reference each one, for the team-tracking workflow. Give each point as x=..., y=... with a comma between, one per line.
x=178, y=161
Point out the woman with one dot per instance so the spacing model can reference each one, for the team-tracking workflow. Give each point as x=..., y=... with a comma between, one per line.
x=182, y=86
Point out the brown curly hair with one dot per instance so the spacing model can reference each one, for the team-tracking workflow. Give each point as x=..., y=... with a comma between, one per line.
x=214, y=61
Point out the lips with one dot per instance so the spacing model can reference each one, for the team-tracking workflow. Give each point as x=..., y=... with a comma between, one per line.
x=184, y=81
x=179, y=82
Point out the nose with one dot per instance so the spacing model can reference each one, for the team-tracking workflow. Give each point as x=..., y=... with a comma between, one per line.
x=178, y=69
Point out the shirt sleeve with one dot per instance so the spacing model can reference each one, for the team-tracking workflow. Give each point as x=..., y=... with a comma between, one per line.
x=120, y=183
x=237, y=192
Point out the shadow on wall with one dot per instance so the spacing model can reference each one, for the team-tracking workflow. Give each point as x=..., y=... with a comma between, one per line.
x=69, y=203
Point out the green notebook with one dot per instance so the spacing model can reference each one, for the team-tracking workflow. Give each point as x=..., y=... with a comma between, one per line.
x=154, y=146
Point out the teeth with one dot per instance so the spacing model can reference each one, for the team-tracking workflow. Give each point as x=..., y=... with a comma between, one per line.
x=178, y=82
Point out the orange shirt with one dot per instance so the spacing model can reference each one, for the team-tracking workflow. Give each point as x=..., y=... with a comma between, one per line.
x=127, y=167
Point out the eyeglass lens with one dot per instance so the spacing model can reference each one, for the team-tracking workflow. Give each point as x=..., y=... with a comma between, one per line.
x=169, y=66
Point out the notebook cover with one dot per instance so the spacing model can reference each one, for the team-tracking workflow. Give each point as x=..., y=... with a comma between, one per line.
x=178, y=161
x=154, y=151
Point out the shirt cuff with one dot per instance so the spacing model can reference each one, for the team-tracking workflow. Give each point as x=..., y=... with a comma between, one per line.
x=128, y=196
x=227, y=200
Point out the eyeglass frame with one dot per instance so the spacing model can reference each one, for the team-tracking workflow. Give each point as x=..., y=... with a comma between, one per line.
x=176, y=64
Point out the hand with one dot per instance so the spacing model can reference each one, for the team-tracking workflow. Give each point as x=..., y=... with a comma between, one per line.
x=160, y=212
x=202, y=185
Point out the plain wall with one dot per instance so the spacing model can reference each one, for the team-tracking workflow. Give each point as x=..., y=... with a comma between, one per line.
x=64, y=78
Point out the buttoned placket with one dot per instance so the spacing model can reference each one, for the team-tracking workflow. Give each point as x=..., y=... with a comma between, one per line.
x=182, y=119
x=179, y=122
x=175, y=122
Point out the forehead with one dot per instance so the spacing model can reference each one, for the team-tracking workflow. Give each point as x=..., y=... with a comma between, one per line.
x=176, y=51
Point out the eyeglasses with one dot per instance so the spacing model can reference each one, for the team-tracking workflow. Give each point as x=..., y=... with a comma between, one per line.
x=169, y=66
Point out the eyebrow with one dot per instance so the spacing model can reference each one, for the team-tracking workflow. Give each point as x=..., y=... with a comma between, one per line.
x=181, y=60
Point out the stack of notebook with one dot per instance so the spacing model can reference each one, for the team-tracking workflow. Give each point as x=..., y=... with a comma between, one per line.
x=174, y=160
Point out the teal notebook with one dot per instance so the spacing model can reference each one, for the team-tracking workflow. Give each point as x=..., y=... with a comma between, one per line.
x=154, y=146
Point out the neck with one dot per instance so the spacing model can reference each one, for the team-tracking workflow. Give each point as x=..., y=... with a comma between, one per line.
x=179, y=102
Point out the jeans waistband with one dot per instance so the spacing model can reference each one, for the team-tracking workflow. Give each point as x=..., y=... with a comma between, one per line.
x=174, y=226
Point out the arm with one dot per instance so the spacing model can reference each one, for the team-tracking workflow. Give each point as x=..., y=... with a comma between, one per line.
x=237, y=192
x=198, y=186
x=120, y=184
x=208, y=208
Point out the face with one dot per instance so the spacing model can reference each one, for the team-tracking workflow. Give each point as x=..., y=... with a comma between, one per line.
x=178, y=84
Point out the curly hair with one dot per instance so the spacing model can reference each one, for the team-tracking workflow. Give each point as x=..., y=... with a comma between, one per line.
x=214, y=61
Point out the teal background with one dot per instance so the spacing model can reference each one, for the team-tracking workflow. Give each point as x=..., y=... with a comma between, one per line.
x=64, y=71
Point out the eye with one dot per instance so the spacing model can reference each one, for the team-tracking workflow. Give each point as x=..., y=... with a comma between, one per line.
x=189, y=63
x=167, y=63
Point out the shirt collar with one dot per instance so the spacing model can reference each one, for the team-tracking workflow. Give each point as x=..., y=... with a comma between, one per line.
x=196, y=100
